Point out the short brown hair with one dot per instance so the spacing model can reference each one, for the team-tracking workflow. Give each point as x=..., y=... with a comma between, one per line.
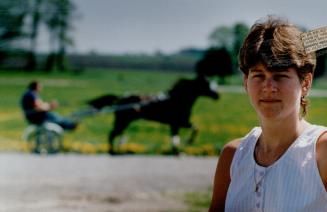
x=277, y=44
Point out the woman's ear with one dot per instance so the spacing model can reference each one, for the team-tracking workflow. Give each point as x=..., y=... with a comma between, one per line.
x=306, y=84
x=245, y=79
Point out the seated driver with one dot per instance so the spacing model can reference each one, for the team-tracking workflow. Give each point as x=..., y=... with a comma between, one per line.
x=38, y=111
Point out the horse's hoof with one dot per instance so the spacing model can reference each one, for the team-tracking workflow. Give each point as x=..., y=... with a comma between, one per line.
x=173, y=151
x=111, y=152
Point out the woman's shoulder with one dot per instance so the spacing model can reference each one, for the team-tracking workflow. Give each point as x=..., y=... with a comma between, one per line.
x=322, y=143
x=231, y=146
x=321, y=150
x=229, y=150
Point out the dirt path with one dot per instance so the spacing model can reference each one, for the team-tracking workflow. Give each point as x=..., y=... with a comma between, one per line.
x=102, y=183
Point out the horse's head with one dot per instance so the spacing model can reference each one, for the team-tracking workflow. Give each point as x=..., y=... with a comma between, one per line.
x=186, y=91
x=205, y=87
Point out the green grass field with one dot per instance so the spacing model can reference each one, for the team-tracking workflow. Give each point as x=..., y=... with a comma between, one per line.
x=218, y=121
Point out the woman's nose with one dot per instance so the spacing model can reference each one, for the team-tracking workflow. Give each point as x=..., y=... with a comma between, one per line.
x=270, y=85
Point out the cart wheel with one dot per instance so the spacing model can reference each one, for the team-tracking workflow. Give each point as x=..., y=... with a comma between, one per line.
x=44, y=139
x=47, y=142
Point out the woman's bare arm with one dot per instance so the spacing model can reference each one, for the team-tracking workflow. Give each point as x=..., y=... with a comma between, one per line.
x=322, y=157
x=222, y=176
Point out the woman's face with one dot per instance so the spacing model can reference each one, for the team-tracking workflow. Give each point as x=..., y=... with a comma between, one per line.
x=275, y=95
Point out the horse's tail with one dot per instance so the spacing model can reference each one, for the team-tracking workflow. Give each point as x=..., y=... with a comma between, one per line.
x=102, y=101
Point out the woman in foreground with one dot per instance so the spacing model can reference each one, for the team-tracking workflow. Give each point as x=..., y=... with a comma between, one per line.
x=280, y=166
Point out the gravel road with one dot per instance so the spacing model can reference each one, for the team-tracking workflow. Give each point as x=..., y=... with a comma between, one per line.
x=101, y=183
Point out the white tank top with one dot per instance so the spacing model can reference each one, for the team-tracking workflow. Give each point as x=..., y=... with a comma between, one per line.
x=291, y=184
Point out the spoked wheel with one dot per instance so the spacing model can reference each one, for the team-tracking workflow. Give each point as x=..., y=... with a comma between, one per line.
x=47, y=142
x=44, y=140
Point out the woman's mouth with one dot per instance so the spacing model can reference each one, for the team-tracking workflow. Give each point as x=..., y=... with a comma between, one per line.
x=270, y=100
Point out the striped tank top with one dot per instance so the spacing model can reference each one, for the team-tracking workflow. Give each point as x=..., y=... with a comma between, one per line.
x=290, y=184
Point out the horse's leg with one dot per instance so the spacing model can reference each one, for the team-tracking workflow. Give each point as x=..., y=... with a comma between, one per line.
x=111, y=139
x=123, y=140
x=119, y=126
x=175, y=139
x=193, y=135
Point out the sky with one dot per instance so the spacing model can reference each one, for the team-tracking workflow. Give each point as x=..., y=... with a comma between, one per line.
x=148, y=26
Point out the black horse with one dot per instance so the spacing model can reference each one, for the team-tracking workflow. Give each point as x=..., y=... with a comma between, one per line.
x=173, y=109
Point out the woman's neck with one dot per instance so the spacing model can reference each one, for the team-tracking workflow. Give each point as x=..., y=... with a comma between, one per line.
x=276, y=138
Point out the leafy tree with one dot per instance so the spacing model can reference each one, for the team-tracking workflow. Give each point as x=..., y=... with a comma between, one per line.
x=215, y=62
x=240, y=31
x=58, y=19
x=20, y=21
x=36, y=15
x=12, y=15
x=222, y=37
x=230, y=38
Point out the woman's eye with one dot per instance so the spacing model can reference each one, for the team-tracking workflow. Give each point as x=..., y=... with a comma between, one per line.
x=260, y=76
x=280, y=76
